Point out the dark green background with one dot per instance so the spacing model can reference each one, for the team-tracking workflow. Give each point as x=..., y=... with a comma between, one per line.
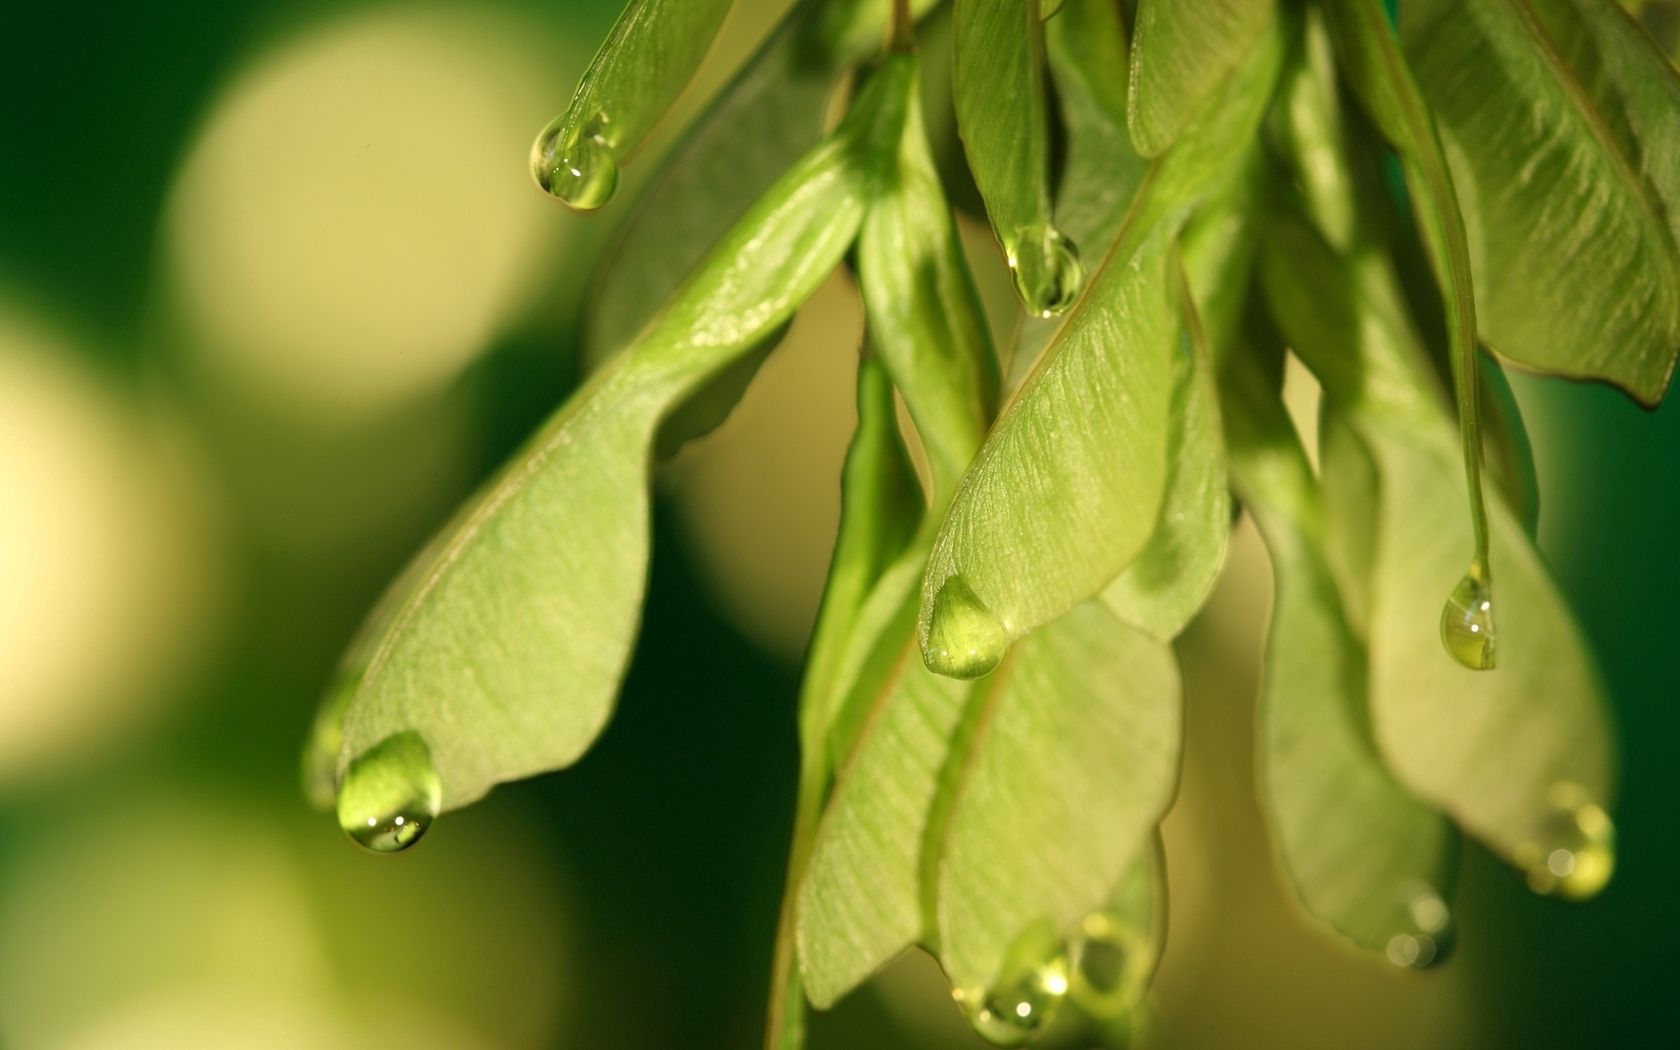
x=671, y=832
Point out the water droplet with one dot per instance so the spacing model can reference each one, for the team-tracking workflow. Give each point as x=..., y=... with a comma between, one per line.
x=1427, y=937
x=964, y=639
x=390, y=794
x=1046, y=269
x=578, y=169
x=1467, y=621
x=1111, y=966
x=1032, y=983
x=1573, y=853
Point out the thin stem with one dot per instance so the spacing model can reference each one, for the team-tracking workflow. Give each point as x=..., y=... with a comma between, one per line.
x=785, y=1029
x=903, y=36
x=1449, y=252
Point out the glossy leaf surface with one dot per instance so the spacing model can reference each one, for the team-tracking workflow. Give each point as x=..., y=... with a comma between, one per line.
x=1562, y=127
x=1181, y=51
x=1085, y=45
x=769, y=114
x=1486, y=748
x=1050, y=512
x=1363, y=855
x=1073, y=762
x=1002, y=109
x=505, y=651
x=652, y=51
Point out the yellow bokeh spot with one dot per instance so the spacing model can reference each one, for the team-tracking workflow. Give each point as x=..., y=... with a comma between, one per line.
x=107, y=556
x=355, y=223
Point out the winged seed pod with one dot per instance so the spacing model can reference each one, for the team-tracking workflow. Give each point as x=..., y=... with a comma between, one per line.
x=990, y=718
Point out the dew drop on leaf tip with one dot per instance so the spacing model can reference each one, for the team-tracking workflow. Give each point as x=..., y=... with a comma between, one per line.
x=1110, y=966
x=1572, y=853
x=1020, y=1005
x=1426, y=938
x=964, y=639
x=1046, y=269
x=576, y=168
x=390, y=794
x=1467, y=626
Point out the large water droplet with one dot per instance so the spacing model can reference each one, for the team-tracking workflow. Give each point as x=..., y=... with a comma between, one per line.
x=1573, y=852
x=964, y=639
x=578, y=169
x=1031, y=985
x=390, y=794
x=1046, y=269
x=1467, y=621
x=1427, y=937
x=1111, y=966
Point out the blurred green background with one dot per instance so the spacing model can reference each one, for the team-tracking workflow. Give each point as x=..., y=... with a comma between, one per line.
x=275, y=292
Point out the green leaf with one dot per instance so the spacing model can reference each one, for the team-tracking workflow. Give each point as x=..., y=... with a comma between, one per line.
x=757, y=126
x=505, y=651
x=887, y=720
x=998, y=73
x=927, y=325
x=1172, y=576
x=1182, y=50
x=926, y=315
x=860, y=903
x=652, y=51
x=880, y=507
x=1510, y=456
x=1523, y=757
x=1049, y=513
x=1086, y=49
x=1350, y=488
x=1074, y=761
x=1380, y=77
x=1362, y=854
x=1562, y=127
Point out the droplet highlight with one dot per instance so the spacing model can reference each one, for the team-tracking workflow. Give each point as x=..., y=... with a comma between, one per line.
x=1111, y=966
x=1467, y=628
x=1573, y=852
x=390, y=794
x=1046, y=269
x=1031, y=986
x=964, y=639
x=576, y=167
x=1426, y=939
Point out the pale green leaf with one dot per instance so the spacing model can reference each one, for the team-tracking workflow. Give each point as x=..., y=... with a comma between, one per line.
x=505, y=651
x=758, y=125
x=881, y=507
x=1067, y=489
x=926, y=315
x=1489, y=748
x=1363, y=855
x=647, y=58
x=887, y=719
x=1380, y=77
x=1074, y=760
x=1564, y=181
x=1174, y=573
x=1350, y=490
x=1002, y=117
x=927, y=325
x=1181, y=51
x=860, y=903
x=1086, y=49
